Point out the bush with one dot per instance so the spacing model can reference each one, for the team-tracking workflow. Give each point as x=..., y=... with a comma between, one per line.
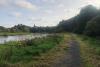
x=14, y=52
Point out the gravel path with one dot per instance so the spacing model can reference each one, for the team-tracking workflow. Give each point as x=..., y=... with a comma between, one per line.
x=72, y=58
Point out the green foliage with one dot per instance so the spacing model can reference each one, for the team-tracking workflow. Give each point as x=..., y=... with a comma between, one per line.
x=20, y=28
x=3, y=29
x=93, y=43
x=93, y=27
x=79, y=23
x=90, y=50
x=25, y=51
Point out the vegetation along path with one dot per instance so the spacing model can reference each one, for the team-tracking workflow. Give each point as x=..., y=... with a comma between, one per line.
x=72, y=58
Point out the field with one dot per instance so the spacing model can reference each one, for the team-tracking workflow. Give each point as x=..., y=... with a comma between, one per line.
x=51, y=50
x=29, y=51
x=90, y=51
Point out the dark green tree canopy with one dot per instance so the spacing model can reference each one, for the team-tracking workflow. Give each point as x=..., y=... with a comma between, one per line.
x=93, y=27
x=80, y=23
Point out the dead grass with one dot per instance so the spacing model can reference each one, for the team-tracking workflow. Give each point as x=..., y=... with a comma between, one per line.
x=90, y=59
x=48, y=59
x=55, y=55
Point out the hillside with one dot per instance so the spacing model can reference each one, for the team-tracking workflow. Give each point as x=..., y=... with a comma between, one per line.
x=93, y=27
x=80, y=23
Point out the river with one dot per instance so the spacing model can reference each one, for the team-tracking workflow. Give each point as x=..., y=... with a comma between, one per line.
x=4, y=39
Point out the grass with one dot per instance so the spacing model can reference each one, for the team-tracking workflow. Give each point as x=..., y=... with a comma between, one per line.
x=53, y=56
x=90, y=51
x=14, y=54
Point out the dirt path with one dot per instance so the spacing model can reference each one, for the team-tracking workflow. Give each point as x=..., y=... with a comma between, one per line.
x=72, y=58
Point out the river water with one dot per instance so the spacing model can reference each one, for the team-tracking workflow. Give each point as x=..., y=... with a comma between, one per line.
x=4, y=39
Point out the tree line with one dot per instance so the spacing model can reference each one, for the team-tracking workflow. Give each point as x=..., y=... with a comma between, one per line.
x=86, y=22
x=27, y=29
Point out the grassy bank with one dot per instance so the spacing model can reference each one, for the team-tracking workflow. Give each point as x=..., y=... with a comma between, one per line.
x=23, y=53
x=12, y=34
x=90, y=51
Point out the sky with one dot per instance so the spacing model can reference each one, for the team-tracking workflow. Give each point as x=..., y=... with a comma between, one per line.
x=40, y=12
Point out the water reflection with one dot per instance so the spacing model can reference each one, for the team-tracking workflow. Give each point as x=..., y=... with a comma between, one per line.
x=4, y=39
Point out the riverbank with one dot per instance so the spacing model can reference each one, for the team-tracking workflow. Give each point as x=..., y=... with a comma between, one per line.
x=4, y=39
x=90, y=51
x=19, y=53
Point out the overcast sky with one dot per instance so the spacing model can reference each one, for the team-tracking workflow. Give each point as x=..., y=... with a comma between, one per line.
x=40, y=12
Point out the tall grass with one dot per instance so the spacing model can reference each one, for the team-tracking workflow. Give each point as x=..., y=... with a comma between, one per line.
x=90, y=51
x=25, y=51
x=93, y=43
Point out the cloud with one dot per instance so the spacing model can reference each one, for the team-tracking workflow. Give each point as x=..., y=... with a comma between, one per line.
x=25, y=4
x=61, y=5
x=48, y=11
x=93, y=2
x=5, y=2
x=17, y=14
x=44, y=0
x=18, y=3
x=51, y=1
x=35, y=19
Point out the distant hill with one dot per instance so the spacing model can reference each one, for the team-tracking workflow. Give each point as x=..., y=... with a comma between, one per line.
x=20, y=28
x=16, y=28
x=79, y=24
x=3, y=29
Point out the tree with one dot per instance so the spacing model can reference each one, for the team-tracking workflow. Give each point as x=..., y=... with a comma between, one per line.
x=78, y=23
x=93, y=27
